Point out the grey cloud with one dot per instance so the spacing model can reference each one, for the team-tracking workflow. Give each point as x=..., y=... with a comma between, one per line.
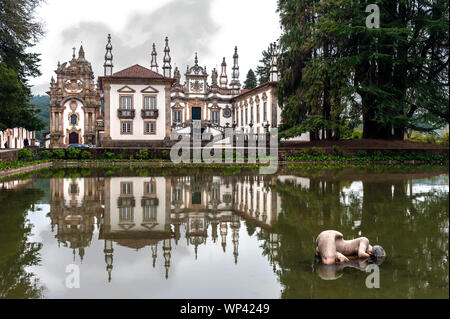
x=41, y=88
x=187, y=23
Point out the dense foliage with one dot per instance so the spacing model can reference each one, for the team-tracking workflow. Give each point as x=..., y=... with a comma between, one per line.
x=18, y=33
x=263, y=69
x=336, y=71
x=250, y=81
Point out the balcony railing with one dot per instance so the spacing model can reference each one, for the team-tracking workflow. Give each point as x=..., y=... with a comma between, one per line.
x=126, y=202
x=126, y=113
x=149, y=114
x=149, y=202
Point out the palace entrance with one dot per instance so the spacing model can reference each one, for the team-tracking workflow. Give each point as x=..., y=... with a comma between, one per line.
x=73, y=138
x=196, y=113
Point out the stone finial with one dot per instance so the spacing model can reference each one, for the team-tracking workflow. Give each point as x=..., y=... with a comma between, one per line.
x=223, y=75
x=167, y=68
x=108, y=66
x=154, y=64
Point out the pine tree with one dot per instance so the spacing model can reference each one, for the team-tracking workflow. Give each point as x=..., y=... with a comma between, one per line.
x=263, y=70
x=335, y=69
x=250, y=82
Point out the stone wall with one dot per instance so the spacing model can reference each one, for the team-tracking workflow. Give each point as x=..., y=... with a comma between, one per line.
x=9, y=155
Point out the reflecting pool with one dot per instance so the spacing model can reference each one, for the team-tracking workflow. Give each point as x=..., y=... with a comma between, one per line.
x=202, y=233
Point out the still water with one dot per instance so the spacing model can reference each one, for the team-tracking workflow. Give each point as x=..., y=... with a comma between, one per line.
x=204, y=234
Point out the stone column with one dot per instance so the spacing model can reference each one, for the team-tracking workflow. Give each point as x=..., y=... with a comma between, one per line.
x=274, y=111
x=167, y=111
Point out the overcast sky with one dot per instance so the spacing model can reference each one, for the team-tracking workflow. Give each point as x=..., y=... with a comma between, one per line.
x=210, y=27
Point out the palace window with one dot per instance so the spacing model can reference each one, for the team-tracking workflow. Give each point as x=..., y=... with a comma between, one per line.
x=251, y=114
x=126, y=188
x=215, y=117
x=150, y=127
x=150, y=188
x=126, y=127
x=242, y=117
x=264, y=203
x=258, y=117
x=126, y=102
x=265, y=111
x=257, y=201
x=177, y=194
x=215, y=194
x=150, y=213
x=246, y=115
x=177, y=116
x=150, y=103
x=126, y=214
x=73, y=119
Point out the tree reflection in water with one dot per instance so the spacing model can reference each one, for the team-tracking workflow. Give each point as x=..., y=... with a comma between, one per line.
x=163, y=211
x=412, y=225
x=16, y=253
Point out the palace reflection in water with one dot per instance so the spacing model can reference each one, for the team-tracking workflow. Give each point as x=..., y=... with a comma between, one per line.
x=168, y=235
x=138, y=212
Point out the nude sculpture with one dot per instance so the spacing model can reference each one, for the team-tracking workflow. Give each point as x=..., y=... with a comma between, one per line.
x=331, y=247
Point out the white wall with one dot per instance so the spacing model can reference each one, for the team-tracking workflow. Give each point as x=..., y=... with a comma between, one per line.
x=138, y=122
x=16, y=138
x=138, y=211
x=66, y=120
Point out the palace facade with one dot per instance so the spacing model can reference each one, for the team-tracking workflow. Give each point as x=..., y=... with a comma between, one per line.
x=143, y=106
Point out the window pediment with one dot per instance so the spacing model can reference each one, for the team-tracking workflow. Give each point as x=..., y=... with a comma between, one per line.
x=149, y=89
x=126, y=89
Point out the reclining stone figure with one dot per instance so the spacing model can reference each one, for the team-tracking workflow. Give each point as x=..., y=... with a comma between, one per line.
x=331, y=247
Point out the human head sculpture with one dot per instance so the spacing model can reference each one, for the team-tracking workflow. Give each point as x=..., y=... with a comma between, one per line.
x=378, y=254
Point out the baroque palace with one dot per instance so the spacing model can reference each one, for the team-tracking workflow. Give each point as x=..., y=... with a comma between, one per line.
x=140, y=106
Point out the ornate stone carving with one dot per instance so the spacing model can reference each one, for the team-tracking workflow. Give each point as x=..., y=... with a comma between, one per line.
x=226, y=112
x=197, y=86
x=73, y=86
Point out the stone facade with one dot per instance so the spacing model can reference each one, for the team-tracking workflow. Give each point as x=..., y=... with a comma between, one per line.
x=17, y=138
x=143, y=107
x=75, y=106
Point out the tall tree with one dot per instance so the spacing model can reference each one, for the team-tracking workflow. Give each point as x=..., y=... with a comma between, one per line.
x=250, y=82
x=296, y=19
x=18, y=33
x=333, y=66
x=263, y=70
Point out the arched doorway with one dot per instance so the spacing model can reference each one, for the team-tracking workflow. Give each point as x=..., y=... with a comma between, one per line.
x=73, y=138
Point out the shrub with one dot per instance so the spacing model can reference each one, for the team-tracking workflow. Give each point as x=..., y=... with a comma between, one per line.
x=25, y=155
x=166, y=153
x=378, y=156
x=59, y=153
x=110, y=155
x=356, y=135
x=45, y=154
x=142, y=154
x=86, y=155
x=338, y=150
x=316, y=151
x=73, y=153
x=361, y=153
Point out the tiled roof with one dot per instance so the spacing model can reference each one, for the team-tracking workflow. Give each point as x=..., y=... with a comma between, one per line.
x=137, y=71
x=244, y=91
